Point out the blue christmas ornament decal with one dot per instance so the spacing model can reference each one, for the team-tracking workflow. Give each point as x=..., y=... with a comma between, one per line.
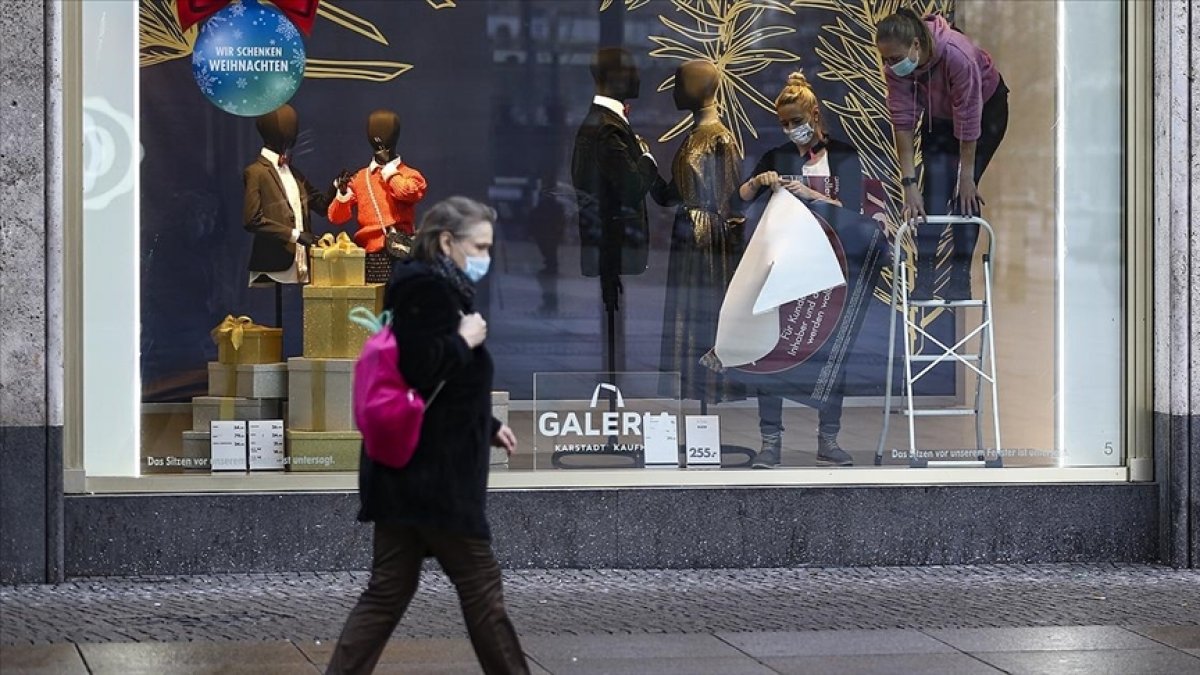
x=248, y=59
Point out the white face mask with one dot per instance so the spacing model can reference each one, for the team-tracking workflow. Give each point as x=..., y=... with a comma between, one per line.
x=800, y=135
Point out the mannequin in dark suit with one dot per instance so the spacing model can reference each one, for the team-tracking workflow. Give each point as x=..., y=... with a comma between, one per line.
x=612, y=170
x=281, y=229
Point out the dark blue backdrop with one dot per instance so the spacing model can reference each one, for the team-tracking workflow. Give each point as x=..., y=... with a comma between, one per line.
x=489, y=110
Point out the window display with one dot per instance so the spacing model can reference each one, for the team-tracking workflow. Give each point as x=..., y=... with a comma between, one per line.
x=699, y=238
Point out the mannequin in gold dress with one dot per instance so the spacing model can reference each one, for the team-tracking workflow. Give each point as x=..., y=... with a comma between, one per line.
x=707, y=237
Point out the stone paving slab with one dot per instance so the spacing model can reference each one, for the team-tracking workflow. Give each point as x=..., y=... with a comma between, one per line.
x=883, y=664
x=590, y=647
x=721, y=665
x=193, y=658
x=305, y=607
x=1179, y=637
x=1103, y=662
x=42, y=660
x=1030, y=639
x=833, y=643
x=593, y=654
x=431, y=650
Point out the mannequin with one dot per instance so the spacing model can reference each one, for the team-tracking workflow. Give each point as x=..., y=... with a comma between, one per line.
x=706, y=239
x=612, y=170
x=384, y=193
x=276, y=206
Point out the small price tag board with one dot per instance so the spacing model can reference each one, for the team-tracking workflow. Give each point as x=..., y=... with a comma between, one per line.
x=266, y=445
x=228, y=445
x=703, y=441
x=661, y=434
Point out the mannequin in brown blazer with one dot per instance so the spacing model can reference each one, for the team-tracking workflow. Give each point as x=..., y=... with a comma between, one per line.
x=267, y=212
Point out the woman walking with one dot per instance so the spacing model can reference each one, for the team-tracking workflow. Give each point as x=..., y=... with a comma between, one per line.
x=935, y=70
x=435, y=506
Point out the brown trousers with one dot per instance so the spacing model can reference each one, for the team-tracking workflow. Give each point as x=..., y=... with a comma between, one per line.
x=395, y=572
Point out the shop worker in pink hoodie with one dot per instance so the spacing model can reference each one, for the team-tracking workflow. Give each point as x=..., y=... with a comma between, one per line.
x=942, y=82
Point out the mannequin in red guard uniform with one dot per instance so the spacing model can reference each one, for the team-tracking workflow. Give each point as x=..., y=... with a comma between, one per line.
x=384, y=193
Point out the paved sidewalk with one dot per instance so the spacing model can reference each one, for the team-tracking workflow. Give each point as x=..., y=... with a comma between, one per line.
x=1087, y=650
x=1091, y=619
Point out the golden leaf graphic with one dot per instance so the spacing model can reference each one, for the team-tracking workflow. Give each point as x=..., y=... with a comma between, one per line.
x=351, y=22
x=846, y=50
x=371, y=71
x=160, y=38
x=728, y=34
x=162, y=41
x=442, y=4
x=630, y=5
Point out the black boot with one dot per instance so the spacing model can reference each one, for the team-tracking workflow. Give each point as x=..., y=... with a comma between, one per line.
x=829, y=453
x=768, y=456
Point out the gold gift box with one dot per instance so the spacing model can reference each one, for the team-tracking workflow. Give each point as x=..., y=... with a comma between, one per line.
x=222, y=378
x=337, y=262
x=328, y=331
x=209, y=409
x=241, y=341
x=320, y=394
x=323, y=450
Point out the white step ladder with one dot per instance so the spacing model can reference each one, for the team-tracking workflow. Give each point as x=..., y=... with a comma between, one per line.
x=918, y=363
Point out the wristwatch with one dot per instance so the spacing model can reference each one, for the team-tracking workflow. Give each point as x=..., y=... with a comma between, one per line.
x=908, y=180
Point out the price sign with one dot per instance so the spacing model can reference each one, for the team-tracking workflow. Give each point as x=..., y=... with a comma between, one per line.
x=703, y=441
x=661, y=434
x=228, y=445
x=266, y=445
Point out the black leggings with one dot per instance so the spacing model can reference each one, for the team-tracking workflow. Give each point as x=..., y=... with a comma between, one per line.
x=941, y=152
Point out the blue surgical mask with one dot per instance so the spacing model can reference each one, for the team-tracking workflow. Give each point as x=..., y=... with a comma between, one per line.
x=800, y=135
x=477, y=267
x=906, y=67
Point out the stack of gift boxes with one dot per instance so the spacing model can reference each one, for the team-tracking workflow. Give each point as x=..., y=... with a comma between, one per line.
x=321, y=434
x=247, y=383
x=250, y=382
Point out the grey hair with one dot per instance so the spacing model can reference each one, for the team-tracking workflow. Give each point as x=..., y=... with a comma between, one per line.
x=454, y=215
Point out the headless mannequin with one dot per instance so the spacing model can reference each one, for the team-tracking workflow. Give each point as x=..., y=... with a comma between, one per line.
x=279, y=129
x=383, y=131
x=276, y=207
x=705, y=240
x=616, y=77
x=385, y=193
x=612, y=172
x=696, y=91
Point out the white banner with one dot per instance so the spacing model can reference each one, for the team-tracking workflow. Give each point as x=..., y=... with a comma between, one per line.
x=788, y=257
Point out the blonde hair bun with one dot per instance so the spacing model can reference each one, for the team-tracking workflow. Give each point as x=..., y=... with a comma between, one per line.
x=797, y=90
x=797, y=79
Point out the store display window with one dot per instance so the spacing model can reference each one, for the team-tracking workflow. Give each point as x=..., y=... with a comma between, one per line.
x=731, y=243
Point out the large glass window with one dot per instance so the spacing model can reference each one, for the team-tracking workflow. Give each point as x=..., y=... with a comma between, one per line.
x=695, y=246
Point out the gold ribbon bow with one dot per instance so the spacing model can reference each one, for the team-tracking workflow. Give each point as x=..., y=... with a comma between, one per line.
x=235, y=327
x=336, y=247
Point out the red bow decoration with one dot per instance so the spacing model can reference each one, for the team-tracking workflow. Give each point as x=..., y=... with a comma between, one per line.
x=301, y=12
